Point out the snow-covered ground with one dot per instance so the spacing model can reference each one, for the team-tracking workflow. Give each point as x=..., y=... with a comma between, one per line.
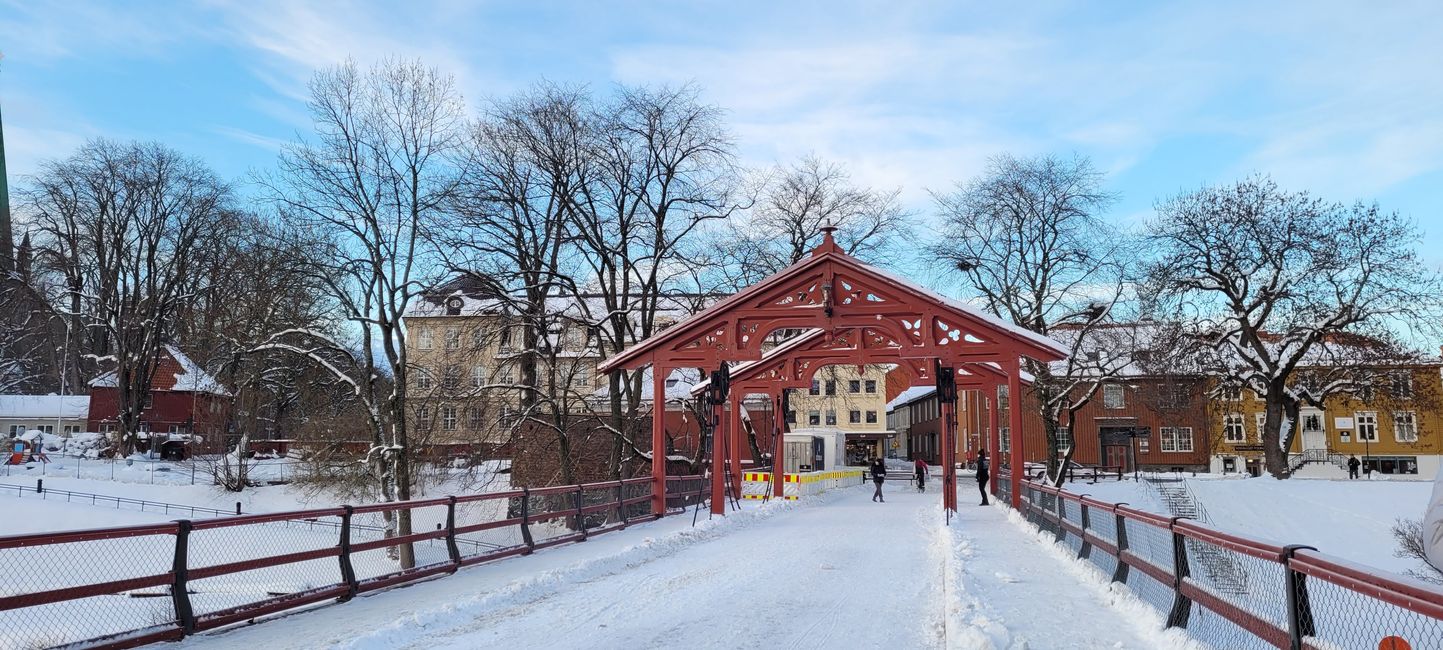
x=1349, y=519
x=832, y=571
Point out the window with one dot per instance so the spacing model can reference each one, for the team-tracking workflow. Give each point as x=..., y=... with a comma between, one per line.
x=1313, y=422
x=50, y=429
x=1176, y=439
x=791, y=417
x=1233, y=428
x=1002, y=397
x=1173, y=396
x=854, y=386
x=16, y=430
x=1400, y=385
x=72, y=429
x=871, y=385
x=831, y=417
x=453, y=338
x=1064, y=439
x=107, y=428
x=814, y=418
x=505, y=341
x=149, y=401
x=423, y=338
x=478, y=376
x=423, y=418
x=1405, y=426
x=816, y=388
x=451, y=378
x=1004, y=438
x=583, y=375
x=871, y=417
x=1231, y=393
x=174, y=429
x=508, y=374
x=573, y=338
x=423, y=378
x=1367, y=424
x=831, y=387
x=854, y=417
x=448, y=418
x=473, y=418
x=1112, y=396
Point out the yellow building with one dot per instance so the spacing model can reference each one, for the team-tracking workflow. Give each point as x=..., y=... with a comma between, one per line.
x=846, y=407
x=1394, y=428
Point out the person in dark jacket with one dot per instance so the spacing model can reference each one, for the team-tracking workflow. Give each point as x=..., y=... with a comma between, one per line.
x=1353, y=465
x=982, y=474
x=879, y=474
x=920, y=466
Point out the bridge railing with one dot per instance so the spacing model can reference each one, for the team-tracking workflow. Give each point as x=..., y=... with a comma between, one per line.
x=128, y=586
x=1232, y=591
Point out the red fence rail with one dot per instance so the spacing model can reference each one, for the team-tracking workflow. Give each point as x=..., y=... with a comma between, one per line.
x=1236, y=592
x=128, y=586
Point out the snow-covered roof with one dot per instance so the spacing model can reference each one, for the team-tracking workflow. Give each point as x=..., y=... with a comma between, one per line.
x=678, y=385
x=911, y=395
x=20, y=407
x=181, y=375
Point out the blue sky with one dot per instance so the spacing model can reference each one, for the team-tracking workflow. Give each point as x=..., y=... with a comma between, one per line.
x=1335, y=97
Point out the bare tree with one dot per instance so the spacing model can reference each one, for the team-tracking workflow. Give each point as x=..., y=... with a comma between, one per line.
x=526, y=163
x=1277, y=282
x=793, y=204
x=374, y=178
x=1028, y=237
x=127, y=226
x=663, y=166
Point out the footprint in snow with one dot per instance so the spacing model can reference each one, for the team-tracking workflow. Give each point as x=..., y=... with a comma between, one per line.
x=1006, y=578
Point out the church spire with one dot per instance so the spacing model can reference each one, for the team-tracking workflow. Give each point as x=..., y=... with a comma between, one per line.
x=7, y=235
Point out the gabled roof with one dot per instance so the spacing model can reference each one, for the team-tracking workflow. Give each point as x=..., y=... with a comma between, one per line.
x=833, y=291
x=175, y=372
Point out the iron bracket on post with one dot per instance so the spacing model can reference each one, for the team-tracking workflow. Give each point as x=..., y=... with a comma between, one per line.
x=1119, y=574
x=179, y=589
x=526, y=520
x=1181, y=605
x=348, y=570
x=451, y=547
x=1300, y=606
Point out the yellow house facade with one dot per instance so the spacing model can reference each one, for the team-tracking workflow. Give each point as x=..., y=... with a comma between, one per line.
x=1395, y=429
x=847, y=406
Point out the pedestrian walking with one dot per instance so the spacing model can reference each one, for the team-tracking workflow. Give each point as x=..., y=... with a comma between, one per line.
x=1353, y=467
x=982, y=474
x=922, y=471
x=879, y=474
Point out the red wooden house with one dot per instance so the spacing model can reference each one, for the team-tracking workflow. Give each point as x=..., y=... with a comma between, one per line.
x=186, y=404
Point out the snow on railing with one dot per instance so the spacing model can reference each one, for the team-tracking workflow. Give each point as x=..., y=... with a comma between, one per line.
x=1269, y=596
x=128, y=586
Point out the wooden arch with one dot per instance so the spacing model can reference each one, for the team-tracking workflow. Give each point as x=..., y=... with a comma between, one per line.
x=865, y=315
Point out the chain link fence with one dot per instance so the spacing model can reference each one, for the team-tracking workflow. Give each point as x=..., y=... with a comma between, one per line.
x=128, y=586
x=1235, y=592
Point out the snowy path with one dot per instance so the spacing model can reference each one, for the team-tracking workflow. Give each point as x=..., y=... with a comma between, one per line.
x=841, y=571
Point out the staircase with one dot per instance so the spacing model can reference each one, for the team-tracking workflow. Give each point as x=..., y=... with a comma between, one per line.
x=1316, y=457
x=1224, y=572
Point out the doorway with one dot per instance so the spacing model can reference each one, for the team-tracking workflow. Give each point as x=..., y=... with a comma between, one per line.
x=1314, y=437
x=1117, y=456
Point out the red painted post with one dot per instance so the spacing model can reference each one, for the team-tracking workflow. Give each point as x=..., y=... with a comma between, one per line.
x=994, y=438
x=779, y=475
x=735, y=448
x=949, y=451
x=658, y=441
x=719, y=436
x=1014, y=415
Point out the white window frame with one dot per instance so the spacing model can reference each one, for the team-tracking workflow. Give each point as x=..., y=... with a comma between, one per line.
x=1235, y=423
x=1172, y=440
x=1114, y=396
x=474, y=420
x=453, y=338
x=814, y=418
x=1262, y=420
x=451, y=378
x=831, y=417
x=581, y=375
x=1404, y=379
x=449, y=420
x=1230, y=393
x=423, y=418
x=423, y=338
x=1064, y=439
x=424, y=380
x=1366, y=421
x=478, y=376
x=1399, y=418
x=1004, y=438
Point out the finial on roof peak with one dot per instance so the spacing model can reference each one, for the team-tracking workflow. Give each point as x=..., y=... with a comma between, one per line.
x=829, y=244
